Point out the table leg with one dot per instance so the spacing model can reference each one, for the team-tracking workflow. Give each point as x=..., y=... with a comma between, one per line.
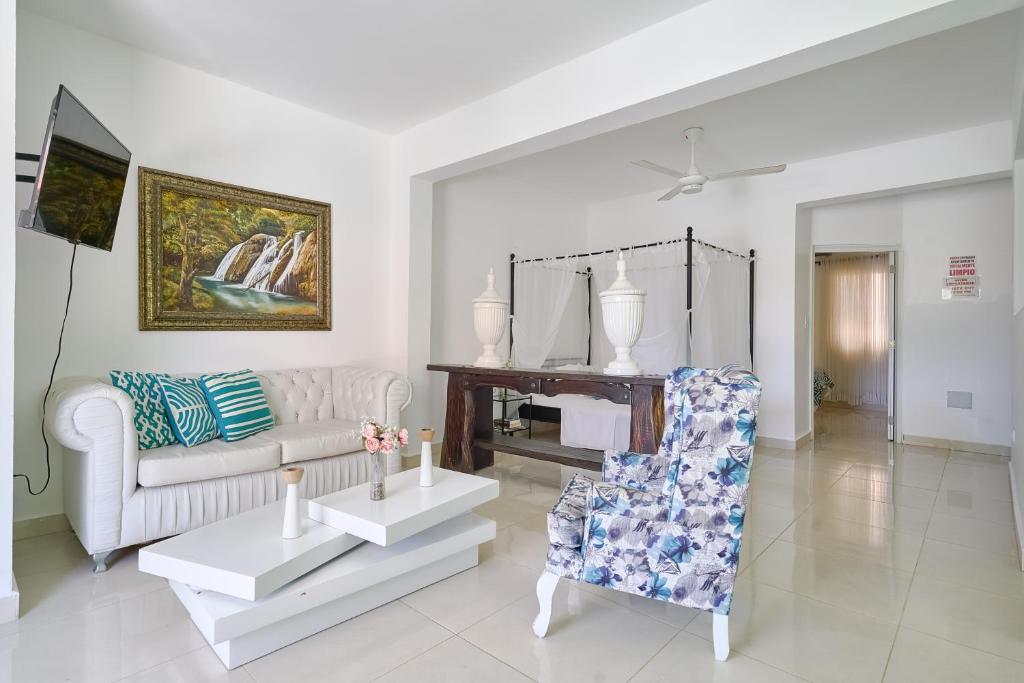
x=479, y=422
x=454, y=419
x=647, y=418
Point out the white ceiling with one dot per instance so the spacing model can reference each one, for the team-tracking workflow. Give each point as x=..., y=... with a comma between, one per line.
x=384, y=64
x=955, y=79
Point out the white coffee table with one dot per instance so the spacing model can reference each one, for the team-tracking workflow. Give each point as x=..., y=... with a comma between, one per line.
x=250, y=592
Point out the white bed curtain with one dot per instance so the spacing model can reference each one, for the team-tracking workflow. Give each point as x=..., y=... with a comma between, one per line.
x=852, y=326
x=543, y=291
x=661, y=271
x=721, y=308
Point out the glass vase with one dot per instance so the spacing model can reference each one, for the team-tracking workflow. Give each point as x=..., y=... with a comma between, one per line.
x=378, y=469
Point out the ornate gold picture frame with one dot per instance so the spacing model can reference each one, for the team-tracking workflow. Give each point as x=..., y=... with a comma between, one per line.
x=214, y=256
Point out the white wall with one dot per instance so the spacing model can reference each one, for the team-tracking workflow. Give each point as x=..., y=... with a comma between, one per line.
x=178, y=119
x=479, y=219
x=8, y=607
x=943, y=345
x=762, y=213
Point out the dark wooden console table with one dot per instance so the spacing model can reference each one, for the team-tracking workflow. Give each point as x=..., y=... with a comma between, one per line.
x=469, y=437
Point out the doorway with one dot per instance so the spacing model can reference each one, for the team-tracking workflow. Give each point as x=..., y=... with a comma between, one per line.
x=854, y=344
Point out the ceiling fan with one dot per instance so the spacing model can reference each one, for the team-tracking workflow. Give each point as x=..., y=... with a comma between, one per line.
x=693, y=180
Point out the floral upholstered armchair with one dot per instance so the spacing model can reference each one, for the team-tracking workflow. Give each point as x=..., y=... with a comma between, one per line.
x=668, y=525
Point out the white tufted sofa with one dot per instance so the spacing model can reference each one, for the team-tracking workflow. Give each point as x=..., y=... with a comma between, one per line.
x=116, y=496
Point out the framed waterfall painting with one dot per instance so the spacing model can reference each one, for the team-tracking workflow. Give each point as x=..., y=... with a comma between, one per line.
x=214, y=256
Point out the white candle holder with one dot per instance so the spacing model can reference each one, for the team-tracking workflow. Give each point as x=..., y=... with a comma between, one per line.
x=490, y=315
x=292, y=510
x=622, y=307
x=427, y=457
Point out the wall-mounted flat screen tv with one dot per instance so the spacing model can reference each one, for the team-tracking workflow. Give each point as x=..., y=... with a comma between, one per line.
x=81, y=177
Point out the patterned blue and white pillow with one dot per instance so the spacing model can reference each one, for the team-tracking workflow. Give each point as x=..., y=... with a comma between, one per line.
x=151, y=424
x=238, y=403
x=190, y=416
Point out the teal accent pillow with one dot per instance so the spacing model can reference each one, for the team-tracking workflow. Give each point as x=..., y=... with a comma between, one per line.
x=238, y=403
x=189, y=414
x=151, y=424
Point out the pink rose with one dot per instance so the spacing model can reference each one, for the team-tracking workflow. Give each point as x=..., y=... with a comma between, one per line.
x=372, y=443
x=369, y=430
x=388, y=445
x=403, y=436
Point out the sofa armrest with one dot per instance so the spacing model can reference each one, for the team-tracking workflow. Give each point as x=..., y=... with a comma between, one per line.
x=364, y=392
x=95, y=421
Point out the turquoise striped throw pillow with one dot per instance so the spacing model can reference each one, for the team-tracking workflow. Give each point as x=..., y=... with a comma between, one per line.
x=238, y=403
x=151, y=424
x=190, y=416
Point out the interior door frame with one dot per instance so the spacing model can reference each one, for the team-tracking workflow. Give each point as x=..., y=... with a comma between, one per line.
x=895, y=386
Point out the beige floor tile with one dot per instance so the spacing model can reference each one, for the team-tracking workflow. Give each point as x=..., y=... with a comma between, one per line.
x=966, y=458
x=960, y=503
x=987, y=481
x=840, y=580
x=921, y=658
x=454, y=661
x=689, y=658
x=751, y=547
x=197, y=666
x=992, y=572
x=524, y=543
x=360, y=649
x=922, y=476
x=973, y=533
x=803, y=636
x=985, y=621
x=906, y=520
x=792, y=495
x=881, y=546
x=676, y=616
x=104, y=644
x=766, y=520
x=464, y=599
x=885, y=492
x=57, y=593
x=505, y=511
x=47, y=553
x=589, y=638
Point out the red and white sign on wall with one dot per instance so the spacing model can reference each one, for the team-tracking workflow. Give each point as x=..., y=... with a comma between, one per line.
x=961, y=280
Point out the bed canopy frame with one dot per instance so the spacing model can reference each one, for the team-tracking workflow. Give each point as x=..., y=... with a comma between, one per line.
x=690, y=240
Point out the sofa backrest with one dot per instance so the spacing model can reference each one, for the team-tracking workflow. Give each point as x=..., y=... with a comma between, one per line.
x=302, y=395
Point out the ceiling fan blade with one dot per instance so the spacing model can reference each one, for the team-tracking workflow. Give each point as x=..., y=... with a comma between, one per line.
x=764, y=170
x=671, y=193
x=650, y=166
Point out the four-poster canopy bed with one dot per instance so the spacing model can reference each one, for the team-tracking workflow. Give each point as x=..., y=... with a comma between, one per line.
x=602, y=424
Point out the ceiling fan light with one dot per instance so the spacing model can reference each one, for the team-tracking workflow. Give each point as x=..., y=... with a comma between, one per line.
x=692, y=189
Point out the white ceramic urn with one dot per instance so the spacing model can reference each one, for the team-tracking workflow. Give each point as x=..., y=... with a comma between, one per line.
x=622, y=306
x=490, y=315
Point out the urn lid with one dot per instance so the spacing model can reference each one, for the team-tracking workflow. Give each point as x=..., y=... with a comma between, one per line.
x=622, y=285
x=490, y=295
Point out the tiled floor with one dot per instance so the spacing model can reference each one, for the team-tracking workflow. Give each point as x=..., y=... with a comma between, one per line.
x=860, y=563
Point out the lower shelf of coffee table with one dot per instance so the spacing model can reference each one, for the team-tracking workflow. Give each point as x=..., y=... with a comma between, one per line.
x=358, y=581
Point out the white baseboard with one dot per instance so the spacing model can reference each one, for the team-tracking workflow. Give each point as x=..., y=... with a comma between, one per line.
x=1018, y=515
x=10, y=604
x=40, y=526
x=953, y=445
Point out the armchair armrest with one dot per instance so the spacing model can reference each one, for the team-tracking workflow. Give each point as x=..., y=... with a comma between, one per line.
x=96, y=422
x=640, y=471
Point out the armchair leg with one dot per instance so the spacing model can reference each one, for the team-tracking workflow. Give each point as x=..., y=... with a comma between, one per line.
x=720, y=626
x=545, y=595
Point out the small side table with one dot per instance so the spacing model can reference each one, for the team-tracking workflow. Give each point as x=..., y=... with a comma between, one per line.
x=505, y=398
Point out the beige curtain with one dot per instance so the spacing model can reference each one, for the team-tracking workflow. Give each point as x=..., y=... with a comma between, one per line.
x=852, y=327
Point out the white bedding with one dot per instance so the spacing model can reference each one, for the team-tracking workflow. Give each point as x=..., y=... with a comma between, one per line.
x=589, y=422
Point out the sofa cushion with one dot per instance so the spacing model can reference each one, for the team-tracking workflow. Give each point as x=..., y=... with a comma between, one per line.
x=211, y=460
x=190, y=415
x=310, y=440
x=150, y=417
x=238, y=403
